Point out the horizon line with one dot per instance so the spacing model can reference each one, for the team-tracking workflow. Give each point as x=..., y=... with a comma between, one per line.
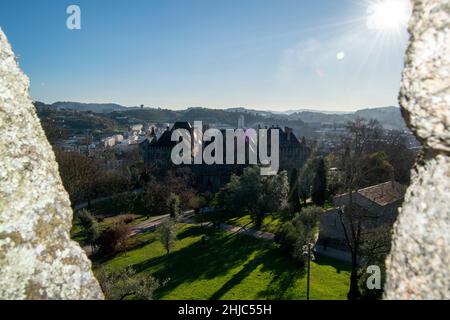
x=292, y=109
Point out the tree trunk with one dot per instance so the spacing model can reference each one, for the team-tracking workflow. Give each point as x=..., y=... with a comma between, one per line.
x=354, y=293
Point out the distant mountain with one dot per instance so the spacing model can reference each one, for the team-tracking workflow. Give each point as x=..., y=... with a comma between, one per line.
x=389, y=117
x=289, y=112
x=319, y=117
x=94, y=107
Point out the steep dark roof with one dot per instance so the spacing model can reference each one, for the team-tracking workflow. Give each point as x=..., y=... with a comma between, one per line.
x=287, y=137
x=165, y=140
x=181, y=125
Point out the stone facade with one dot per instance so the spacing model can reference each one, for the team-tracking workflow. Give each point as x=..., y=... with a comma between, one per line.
x=293, y=154
x=381, y=202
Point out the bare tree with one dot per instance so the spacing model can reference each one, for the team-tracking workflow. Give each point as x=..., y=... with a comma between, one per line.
x=79, y=174
x=361, y=141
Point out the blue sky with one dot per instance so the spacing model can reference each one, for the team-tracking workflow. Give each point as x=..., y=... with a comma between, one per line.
x=264, y=54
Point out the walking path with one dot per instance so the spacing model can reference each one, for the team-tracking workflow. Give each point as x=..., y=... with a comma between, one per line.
x=148, y=225
x=152, y=223
x=237, y=230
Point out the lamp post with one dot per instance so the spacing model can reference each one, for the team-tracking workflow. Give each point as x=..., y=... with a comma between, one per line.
x=309, y=255
x=309, y=271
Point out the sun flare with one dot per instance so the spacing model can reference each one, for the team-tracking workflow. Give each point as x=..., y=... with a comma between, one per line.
x=388, y=15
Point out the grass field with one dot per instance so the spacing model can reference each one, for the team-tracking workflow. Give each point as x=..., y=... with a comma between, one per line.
x=270, y=223
x=229, y=267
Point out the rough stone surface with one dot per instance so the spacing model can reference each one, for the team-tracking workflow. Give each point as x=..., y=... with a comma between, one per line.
x=38, y=260
x=418, y=266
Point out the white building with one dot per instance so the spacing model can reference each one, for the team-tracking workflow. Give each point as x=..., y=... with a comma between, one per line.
x=241, y=122
x=110, y=142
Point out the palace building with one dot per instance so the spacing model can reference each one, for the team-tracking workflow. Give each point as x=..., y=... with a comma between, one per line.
x=293, y=153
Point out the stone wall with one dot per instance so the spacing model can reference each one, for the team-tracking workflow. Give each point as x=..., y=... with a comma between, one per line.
x=418, y=266
x=38, y=260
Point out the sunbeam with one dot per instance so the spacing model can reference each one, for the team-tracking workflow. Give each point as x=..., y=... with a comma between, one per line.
x=388, y=16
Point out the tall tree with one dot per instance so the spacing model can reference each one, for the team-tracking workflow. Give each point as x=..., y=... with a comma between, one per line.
x=79, y=174
x=255, y=194
x=377, y=169
x=303, y=229
x=155, y=197
x=167, y=231
x=173, y=206
x=90, y=225
x=319, y=185
x=361, y=140
x=305, y=180
x=294, y=193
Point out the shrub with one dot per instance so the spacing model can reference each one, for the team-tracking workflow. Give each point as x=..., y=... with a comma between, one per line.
x=286, y=236
x=93, y=232
x=114, y=239
x=127, y=219
x=85, y=218
x=118, y=285
x=296, y=233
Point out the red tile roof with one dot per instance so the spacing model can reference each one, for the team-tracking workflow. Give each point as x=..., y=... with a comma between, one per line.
x=384, y=193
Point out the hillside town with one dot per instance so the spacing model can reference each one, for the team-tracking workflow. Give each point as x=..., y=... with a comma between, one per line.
x=345, y=191
x=222, y=159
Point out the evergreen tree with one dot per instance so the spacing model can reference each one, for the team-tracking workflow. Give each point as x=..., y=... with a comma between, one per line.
x=294, y=197
x=168, y=234
x=174, y=206
x=319, y=186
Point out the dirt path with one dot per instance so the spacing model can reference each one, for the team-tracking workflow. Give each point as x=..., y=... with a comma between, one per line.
x=237, y=230
x=152, y=223
x=148, y=225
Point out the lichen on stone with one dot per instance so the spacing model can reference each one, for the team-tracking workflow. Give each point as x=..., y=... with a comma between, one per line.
x=418, y=266
x=38, y=260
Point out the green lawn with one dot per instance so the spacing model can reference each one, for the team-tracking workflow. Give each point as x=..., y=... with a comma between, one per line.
x=271, y=222
x=229, y=267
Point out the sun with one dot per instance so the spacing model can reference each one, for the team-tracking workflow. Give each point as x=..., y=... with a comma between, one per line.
x=388, y=15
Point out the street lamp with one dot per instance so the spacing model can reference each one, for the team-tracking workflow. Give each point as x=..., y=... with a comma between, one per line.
x=308, y=252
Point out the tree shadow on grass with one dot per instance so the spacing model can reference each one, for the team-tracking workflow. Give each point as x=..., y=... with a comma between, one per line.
x=337, y=264
x=195, y=232
x=246, y=270
x=200, y=261
x=219, y=256
x=135, y=244
x=285, y=273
